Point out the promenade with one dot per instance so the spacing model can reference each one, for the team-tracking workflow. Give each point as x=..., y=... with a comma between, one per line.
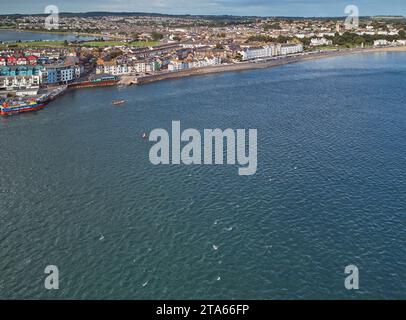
x=250, y=65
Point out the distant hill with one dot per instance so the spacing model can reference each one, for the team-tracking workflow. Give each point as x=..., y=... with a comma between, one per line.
x=208, y=17
x=389, y=17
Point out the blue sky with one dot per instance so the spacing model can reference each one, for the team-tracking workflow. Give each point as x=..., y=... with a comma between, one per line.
x=235, y=7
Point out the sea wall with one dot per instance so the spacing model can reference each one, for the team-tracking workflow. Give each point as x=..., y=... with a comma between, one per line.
x=251, y=65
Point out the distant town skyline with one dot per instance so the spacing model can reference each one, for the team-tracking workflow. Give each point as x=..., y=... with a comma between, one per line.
x=300, y=8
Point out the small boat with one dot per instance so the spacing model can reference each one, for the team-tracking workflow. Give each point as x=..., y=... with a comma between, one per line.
x=118, y=102
x=144, y=135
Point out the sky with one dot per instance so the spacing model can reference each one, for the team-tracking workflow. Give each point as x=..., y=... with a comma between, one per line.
x=305, y=8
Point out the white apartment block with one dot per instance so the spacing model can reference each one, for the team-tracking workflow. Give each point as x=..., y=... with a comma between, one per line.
x=19, y=82
x=259, y=53
x=177, y=65
x=271, y=51
x=123, y=69
x=67, y=74
x=291, y=49
x=320, y=42
x=380, y=43
x=204, y=62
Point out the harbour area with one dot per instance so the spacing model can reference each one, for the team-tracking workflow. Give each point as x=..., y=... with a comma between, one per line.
x=40, y=67
x=42, y=75
x=46, y=94
x=14, y=104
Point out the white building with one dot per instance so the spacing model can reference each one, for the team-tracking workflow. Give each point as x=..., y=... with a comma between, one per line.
x=123, y=69
x=22, y=61
x=380, y=43
x=78, y=71
x=67, y=74
x=143, y=67
x=204, y=62
x=286, y=49
x=27, y=83
x=320, y=42
x=177, y=65
x=271, y=51
x=259, y=53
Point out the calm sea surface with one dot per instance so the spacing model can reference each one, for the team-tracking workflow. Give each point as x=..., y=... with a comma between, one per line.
x=12, y=36
x=77, y=189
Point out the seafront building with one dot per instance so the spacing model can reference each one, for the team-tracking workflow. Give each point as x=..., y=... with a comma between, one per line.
x=286, y=49
x=259, y=53
x=199, y=63
x=315, y=42
x=61, y=74
x=383, y=43
x=20, y=80
x=117, y=69
x=177, y=65
x=270, y=51
x=380, y=43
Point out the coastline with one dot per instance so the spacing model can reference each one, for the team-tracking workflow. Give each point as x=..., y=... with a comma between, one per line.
x=242, y=66
x=251, y=65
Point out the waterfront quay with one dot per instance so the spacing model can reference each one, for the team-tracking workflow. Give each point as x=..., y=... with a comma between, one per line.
x=43, y=70
x=51, y=91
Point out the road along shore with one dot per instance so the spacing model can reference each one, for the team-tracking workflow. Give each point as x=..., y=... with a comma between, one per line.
x=250, y=65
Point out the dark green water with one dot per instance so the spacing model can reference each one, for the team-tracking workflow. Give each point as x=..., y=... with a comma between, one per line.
x=78, y=191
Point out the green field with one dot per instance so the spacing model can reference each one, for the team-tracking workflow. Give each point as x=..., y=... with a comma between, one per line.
x=119, y=43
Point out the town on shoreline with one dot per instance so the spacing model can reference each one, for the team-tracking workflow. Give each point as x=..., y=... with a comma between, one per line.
x=154, y=48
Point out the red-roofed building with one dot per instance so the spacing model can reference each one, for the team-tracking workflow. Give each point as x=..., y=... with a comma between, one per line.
x=11, y=61
x=32, y=60
x=21, y=61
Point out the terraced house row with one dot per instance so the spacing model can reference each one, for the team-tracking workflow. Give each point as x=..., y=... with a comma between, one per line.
x=23, y=80
x=18, y=61
x=271, y=51
x=115, y=68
